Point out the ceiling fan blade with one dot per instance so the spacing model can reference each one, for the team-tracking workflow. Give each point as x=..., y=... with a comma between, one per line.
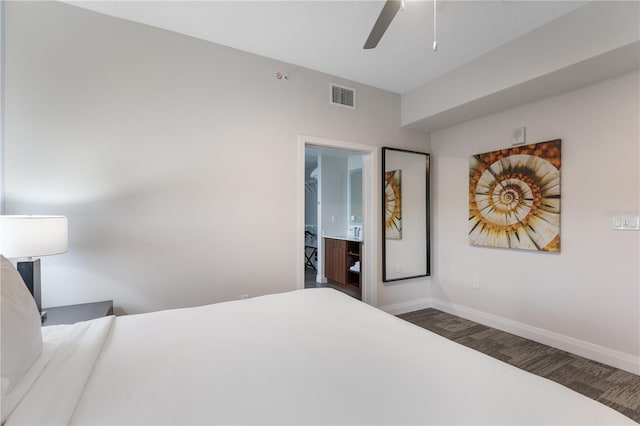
x=391, y=7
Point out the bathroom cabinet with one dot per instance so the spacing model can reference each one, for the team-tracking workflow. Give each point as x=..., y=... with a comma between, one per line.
x=340, y=256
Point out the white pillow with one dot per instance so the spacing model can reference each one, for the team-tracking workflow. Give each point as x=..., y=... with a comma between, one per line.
x=20, y=328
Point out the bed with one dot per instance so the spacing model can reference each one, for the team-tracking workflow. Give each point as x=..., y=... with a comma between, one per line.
x=312, y=356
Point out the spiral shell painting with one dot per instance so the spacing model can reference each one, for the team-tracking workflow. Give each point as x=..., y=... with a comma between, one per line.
x=393, y=205
x=514, y=198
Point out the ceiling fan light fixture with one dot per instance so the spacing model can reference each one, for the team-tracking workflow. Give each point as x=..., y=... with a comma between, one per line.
x=388, y=12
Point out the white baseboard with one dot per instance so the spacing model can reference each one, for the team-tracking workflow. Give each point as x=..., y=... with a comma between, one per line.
x=404, y=307
x=592, y=351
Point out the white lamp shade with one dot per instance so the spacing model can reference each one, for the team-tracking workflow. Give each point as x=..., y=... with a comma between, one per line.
x=32, y=236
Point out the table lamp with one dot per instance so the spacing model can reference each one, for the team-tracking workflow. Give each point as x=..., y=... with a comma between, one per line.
x=26, y=237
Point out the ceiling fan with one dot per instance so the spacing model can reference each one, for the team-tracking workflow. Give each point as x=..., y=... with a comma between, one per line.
x=388, y=12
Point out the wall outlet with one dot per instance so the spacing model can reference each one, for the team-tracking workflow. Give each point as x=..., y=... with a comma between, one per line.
x=475, y=283
x=244, y=296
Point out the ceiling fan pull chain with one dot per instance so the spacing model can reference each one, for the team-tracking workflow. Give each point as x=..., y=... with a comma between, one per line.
x=435, y=41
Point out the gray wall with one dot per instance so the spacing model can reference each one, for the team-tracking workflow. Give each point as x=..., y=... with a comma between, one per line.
x=174, y=158
x=588, y=295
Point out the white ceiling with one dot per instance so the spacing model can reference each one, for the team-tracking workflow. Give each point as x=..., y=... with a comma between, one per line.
x=328, y=36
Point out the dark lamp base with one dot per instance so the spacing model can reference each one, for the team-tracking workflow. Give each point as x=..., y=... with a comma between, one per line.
x=30, y=272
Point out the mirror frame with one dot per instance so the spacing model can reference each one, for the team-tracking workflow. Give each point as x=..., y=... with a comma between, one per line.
x=385, y=151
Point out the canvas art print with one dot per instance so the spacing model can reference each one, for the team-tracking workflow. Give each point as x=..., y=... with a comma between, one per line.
x=393, y=204
x=514, y=198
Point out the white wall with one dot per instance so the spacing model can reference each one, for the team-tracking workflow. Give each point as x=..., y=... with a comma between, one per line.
x=174, y=158
x=588, y=292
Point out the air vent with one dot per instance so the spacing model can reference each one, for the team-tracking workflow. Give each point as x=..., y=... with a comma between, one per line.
x=343, y=96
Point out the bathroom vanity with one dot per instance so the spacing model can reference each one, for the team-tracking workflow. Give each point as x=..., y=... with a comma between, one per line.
x=343, y=262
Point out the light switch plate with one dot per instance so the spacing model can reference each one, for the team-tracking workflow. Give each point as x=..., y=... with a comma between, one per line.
x=626, y=223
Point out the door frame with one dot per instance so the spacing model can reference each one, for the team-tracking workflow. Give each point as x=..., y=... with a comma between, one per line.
x=370, y=210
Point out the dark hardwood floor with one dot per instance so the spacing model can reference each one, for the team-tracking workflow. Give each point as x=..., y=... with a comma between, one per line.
x=608, y=385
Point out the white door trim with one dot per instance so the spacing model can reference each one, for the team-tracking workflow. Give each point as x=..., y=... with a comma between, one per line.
x=370, y=210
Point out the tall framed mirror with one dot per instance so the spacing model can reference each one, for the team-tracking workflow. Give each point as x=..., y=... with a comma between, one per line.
x=405, y=214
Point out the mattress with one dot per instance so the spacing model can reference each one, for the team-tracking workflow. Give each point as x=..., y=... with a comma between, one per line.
x=312, y=356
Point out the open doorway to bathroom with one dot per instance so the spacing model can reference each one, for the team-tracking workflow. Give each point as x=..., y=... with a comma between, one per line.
x=333, y=219
x=370, y=232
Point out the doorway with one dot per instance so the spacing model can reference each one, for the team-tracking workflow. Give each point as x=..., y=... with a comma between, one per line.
x=333, y=219
x=353, y=224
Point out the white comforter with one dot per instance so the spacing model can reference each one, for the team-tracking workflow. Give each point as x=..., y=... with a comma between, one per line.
x=306, y=357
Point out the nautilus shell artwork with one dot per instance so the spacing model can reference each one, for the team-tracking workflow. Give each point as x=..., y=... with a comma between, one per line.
x=393, y=204
x=514, y=198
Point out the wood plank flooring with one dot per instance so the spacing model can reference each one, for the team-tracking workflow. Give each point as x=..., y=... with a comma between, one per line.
x=608, y=385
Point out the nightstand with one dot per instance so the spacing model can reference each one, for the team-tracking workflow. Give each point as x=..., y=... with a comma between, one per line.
x=75, y=313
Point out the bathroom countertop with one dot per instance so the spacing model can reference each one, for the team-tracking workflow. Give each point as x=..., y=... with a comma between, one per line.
x=342, y=237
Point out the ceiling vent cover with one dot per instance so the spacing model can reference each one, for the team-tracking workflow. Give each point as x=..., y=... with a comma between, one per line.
x=343, y=96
